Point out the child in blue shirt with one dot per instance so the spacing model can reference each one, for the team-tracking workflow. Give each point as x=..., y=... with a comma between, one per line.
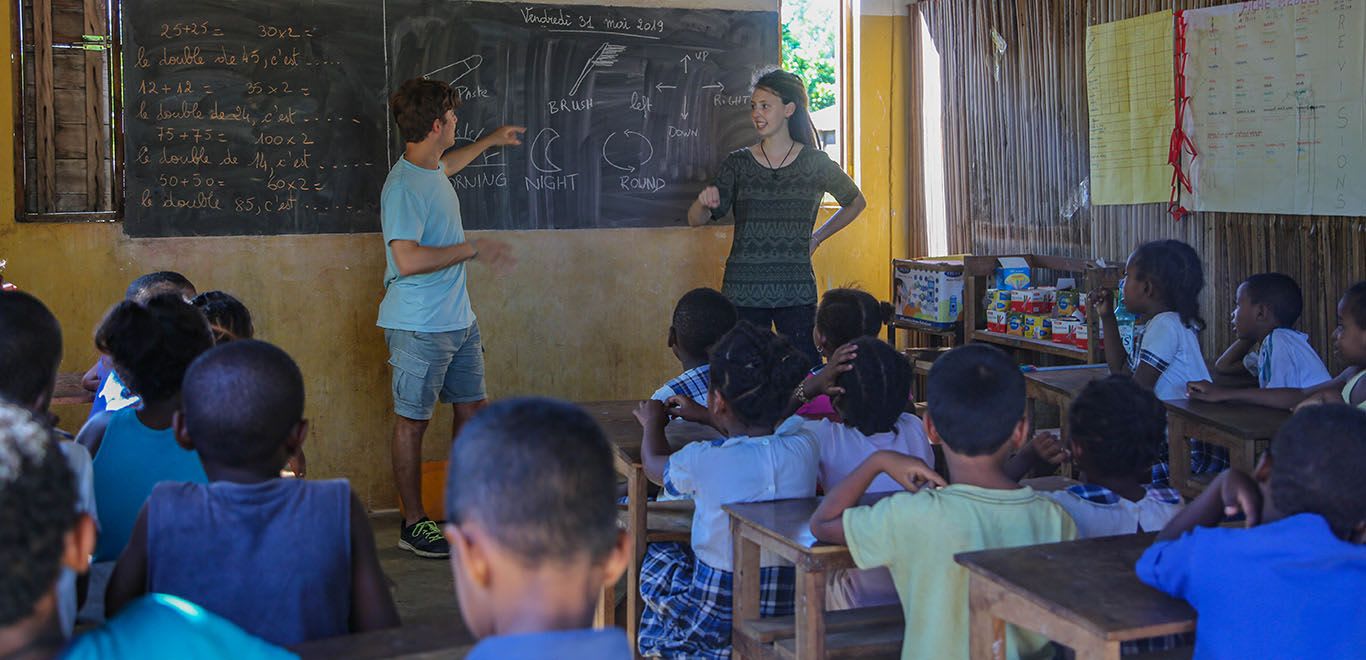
x=43, y=533
x=242, y=413
x=701, y=317
x=531, y=563
x=1290, y=584
x=687, y=589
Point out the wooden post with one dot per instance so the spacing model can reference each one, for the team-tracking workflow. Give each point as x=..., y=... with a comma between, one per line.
x=745, y=582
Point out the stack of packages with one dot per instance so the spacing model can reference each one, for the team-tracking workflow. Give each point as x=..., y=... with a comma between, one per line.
x=1047, y=313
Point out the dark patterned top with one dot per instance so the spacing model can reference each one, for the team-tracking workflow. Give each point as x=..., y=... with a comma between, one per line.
x=775, y=210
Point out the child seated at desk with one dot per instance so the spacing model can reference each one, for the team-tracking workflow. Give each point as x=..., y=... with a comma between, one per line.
x=687, y=589
x=1117, y=428
x=872, y=409
x=1162, y=283
x=977, y=410
x=43, y=533
x=1289, y=586
x=843, y=316
x=30, y=352
x=531, y=562
x=1268, y=305
x=228, y=318
x=151, y=345
x=292, y=560
x=1349, y=387
x=110, y=391
x=701, y=317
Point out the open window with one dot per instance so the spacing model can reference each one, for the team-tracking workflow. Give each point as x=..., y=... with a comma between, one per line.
x=813, y=47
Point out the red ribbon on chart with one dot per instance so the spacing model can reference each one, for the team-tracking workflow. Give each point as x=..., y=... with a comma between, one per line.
x=1179, y=141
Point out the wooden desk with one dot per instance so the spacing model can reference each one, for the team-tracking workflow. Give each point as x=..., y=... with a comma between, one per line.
x=1245, y=430
x=1058, y=387
x=1083, y=594
x=625, y=434
x=69, y=390
x=783, y=528
x=447, y=640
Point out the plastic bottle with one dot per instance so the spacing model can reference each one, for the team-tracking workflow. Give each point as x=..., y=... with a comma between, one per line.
x=1126, y=321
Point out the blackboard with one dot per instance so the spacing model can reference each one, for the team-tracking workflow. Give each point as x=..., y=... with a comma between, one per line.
x=258, y=117
x=252, y=117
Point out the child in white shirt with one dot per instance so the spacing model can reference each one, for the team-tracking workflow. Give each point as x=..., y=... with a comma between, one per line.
x=687, y=589
x=872, y=409
x=1162, y=283
x=1269, y=304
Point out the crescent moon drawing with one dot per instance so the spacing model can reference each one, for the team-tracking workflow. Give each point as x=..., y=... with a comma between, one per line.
x=540, y=151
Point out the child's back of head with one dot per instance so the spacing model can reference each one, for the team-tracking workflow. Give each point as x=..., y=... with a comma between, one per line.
x=535, y=477
x=152, y=344
x=1174, y=270
x=1318, y=464
x=847, y=314
x=1119, y=427
x=1280, y=293
x=876, y=389
x=159, y=283
x=755, y=372
x=30, y=349
x=37, y=511
x=240, y=404
x=976, y=397
x=228, y=318
x=701, y=317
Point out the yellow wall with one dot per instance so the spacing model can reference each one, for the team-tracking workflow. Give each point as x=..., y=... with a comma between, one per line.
x=862, y=253
x=584, y=315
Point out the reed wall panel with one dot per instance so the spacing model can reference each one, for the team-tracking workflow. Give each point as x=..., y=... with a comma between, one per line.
x=1017, y=156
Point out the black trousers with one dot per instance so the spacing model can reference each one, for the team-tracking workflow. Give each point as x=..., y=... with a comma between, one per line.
x=795, y=323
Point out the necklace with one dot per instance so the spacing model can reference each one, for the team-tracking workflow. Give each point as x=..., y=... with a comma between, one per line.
x=772, y=169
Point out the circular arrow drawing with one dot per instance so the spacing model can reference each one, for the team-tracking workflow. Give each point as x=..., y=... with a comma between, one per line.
x=627, y=168
x=540, y=151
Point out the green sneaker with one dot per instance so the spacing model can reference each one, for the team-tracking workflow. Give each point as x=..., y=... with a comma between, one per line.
x=424, y=539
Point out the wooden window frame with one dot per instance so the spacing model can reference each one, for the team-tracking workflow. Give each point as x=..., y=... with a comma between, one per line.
x=43, y=125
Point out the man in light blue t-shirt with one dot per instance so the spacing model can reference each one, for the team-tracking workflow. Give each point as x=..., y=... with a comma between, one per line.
x=433, y=339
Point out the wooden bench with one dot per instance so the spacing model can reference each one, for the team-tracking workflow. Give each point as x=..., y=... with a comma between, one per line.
x=870, y=632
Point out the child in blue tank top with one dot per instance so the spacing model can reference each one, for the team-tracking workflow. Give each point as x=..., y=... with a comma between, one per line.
x=242, y=410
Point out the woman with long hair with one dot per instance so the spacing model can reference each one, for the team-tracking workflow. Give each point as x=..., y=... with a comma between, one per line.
x=774, y=188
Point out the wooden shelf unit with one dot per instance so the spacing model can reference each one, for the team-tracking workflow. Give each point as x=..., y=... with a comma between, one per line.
x=1089, y=275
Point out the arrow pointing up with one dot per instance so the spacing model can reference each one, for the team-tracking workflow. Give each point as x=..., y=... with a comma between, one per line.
x=685, y=60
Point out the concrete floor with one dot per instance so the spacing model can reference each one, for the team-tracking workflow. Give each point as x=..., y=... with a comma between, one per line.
x=423, y=589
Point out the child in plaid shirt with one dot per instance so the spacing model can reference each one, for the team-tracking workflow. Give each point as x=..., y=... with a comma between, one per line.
x=700, y=318
x=687, y=589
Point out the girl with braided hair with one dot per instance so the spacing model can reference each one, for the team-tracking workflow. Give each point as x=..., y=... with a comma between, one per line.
x=764, y=456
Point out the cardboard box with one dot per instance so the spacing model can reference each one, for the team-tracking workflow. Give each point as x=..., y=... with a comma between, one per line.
x=996, y=321
x=1013, y=273
x=1015, y=324
x=998, y=300
x=1067, y=303
x=929, y=294
x=1037, y=326
x=1063, y=329
x=1081, y=336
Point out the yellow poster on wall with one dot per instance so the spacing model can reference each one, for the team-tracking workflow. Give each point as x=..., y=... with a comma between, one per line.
x=1129, y=94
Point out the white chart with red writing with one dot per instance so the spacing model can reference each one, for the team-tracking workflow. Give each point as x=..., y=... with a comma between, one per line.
x=1277, y=91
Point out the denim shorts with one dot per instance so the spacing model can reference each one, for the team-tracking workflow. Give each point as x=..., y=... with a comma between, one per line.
x=431, y=364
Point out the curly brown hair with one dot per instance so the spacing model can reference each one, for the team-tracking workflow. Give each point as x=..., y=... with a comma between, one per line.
x=418, y=103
